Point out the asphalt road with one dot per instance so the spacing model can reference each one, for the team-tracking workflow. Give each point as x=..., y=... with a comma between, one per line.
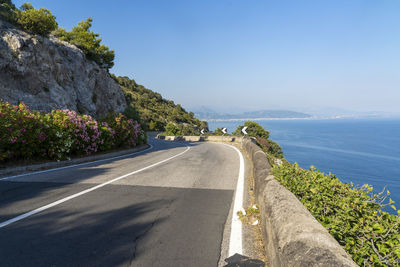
x=172, y=213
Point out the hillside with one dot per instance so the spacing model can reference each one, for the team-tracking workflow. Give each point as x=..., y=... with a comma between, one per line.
x=46, y=73
x=47, y=67
x=153, y=110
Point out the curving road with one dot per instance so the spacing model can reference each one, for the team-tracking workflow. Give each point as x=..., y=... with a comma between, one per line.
x=166, y=206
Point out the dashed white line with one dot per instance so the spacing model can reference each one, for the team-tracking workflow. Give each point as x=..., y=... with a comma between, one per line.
x=35, y=211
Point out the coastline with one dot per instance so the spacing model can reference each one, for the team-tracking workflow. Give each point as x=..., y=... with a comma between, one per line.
x=358, y=150
x=285, y=119
x=336, y=117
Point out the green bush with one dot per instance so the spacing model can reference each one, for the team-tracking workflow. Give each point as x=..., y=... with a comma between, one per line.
x=8, y=11
x=187, y=129
x=275, y=149
x=155, y=125
x=172, y=129
x=127, y=132
x=132, y=113
x=39, y=21
x=253, y=129
x=262, y=136
x=219, y=132
x=354, y=216
x=43, y=22
x=89, y=42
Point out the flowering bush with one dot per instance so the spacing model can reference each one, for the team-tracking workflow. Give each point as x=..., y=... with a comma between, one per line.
x=354, y=216
x=126, y=132
x=26, y=134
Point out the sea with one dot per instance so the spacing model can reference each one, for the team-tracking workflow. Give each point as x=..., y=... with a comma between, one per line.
x=362, y=151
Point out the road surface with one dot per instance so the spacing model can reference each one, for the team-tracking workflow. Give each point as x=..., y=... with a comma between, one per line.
x=166, y=206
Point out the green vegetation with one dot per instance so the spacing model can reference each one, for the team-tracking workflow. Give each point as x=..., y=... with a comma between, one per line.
x=262, y=136
x=354, y=216
x=155, y=112
x=251, y=215
x=144, y=105
x=39, y=21
x=8, y=11
x=219, y=132
x=89, y=42
x=42, y=22
x=172, y=130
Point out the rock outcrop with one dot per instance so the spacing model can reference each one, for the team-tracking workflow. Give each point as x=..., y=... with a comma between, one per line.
x=46, y=73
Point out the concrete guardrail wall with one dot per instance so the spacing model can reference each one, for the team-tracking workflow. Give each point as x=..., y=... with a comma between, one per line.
x=292, y=235
x=213, y=138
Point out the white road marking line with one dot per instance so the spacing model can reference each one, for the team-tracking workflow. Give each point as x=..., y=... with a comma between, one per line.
x=75, y=165
x=235, y=240
x=35, y=211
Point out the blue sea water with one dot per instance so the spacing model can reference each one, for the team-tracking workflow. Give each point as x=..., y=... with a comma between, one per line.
x=362, y=151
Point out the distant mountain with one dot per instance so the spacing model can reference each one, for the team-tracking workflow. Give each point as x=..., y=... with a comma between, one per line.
x=275, y=114
x=332, y=112
x=209, y=114
x=326, y=111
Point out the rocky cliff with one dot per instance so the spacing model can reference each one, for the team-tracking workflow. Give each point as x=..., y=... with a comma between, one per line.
x=46, y=73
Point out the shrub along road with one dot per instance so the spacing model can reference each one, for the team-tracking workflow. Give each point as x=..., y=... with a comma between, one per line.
x=166, y=206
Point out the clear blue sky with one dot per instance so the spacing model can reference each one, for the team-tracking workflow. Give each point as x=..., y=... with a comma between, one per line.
x=252, y=54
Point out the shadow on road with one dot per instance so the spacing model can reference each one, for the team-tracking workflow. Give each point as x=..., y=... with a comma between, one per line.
x=79, y=238
x=13, y=192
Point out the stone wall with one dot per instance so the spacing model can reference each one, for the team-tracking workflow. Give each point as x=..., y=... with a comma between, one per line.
x=293, y=236
x=201, y=138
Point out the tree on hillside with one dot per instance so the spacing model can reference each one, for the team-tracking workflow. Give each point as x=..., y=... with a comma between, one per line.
x=253, y=129
x=262, y=136
x=39, y=21
x=26, y=6
x=172, y=129
x=155, y=111
x=219, y=131
x=8, y=11
x=89, y=42
x=203, y=124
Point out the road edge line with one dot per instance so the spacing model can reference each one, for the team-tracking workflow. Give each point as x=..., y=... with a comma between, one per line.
x=235, y=239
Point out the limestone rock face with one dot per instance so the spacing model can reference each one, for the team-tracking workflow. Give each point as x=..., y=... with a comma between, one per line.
x=46, y=74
